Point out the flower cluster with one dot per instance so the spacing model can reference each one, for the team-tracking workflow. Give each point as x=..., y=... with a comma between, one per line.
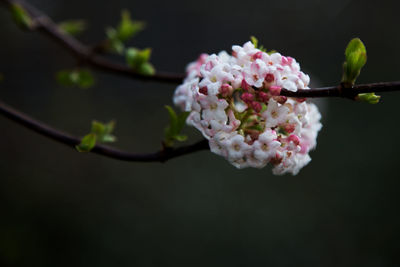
x=235, y=101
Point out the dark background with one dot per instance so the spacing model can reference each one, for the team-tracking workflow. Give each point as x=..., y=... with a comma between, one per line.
x=62, y=208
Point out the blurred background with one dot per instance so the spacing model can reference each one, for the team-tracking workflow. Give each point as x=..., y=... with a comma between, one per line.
x=62, y=208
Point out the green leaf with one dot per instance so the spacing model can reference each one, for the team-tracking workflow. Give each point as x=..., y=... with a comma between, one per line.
x=103, y=131
x=128, y=28
x=21, y=17
x=85, y=79
x=356, y=57
x=176, y=124
x=64, y=77
x=87, y=143
x=73, y=27
x=147, y=69
x=100, y=132
x=369, y=98
x=181, y=121
x=254, y=40
x=131, y=56
x=180, y=138
x=98, y=128
x=109, y=138
x=109, y=127
x=173, y=121
x=138, y=60
x=115, y=44
x=81, y=78
x=355, y=45
x=135, y=57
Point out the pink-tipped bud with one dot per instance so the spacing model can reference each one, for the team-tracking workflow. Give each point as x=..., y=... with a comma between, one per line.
x=226, y=90
x=245, y=85
x=287, y=61
x=264, y=97
x=275, y=90
x=204, y=90
x=247, y=97
x=295, y=139
x=269, y=78
x=257, y=55
x=300, y=100
x=289, y=128
x=280, y=99
x=202, y=58
x=256, y=106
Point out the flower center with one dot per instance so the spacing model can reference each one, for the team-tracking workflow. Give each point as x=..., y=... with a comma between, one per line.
x=213, y=106
x=236, y=147
x=264, y=147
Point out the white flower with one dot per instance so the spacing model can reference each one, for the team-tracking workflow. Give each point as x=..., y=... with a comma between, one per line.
x=255, y=72
x=275, y=113
x=289, y=85
x=291, y=164
x=214, y=108
x=237, y=147
x=217, y=144
x=254, y=162
x=266, y=145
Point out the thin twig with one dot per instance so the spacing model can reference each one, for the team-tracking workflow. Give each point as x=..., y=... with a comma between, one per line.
x=85, y=54
x=71, y=141
x=339, y=91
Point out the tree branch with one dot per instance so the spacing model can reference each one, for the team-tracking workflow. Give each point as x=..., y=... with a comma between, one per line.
x=339, y=91
x=71, y=141
x=169, y=153
x=84, y=53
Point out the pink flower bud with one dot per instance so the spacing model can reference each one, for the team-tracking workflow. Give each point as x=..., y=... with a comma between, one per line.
x=289, y=128
x=226, y=90
x=264, y=97
x=269, y=78
x=202, y=58
x=204, y=90
x=287, y=61
x=247, y=97
x=275, y=90
x=256, y=106
x=295, y=139
x=257, y=55
x=245, y=85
